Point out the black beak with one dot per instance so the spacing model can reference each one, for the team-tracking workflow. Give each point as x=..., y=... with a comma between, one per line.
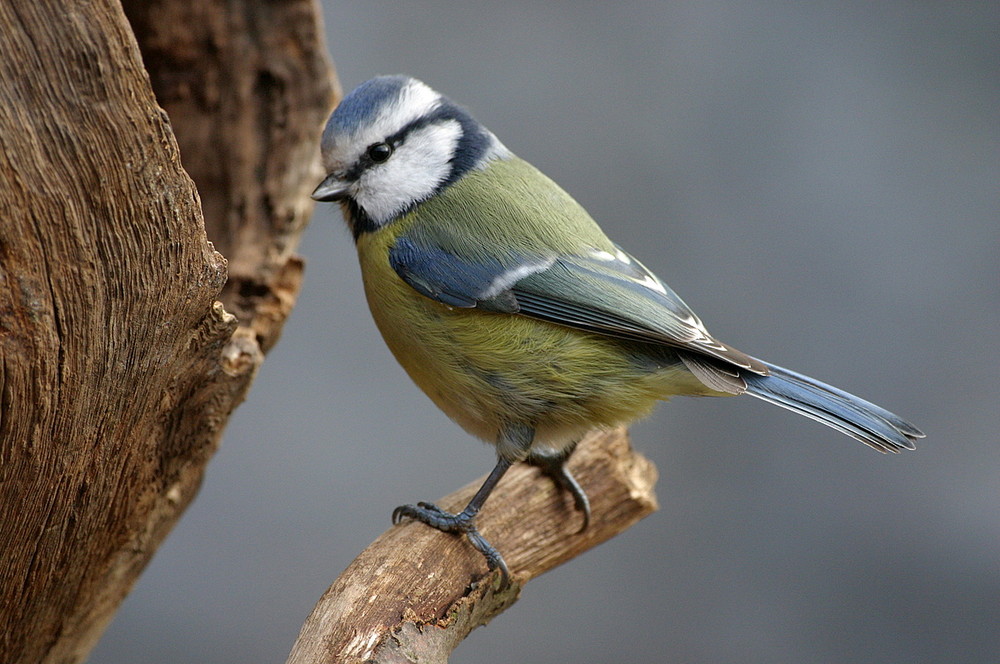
x=331, y=188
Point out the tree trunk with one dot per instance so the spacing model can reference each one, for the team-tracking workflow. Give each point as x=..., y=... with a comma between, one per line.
x=119, y=367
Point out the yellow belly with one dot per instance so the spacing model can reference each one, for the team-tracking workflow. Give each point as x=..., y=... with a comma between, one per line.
x=487, y=370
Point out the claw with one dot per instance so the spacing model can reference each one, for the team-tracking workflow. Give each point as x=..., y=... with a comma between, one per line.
x=464, y=521
x=493, y=558
x=461, y=523
x=555, y=467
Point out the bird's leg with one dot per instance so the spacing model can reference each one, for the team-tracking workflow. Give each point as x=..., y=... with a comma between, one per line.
x=553, y=464
x=516, y=439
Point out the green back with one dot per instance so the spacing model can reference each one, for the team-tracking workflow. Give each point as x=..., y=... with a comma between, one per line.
x=508, y=204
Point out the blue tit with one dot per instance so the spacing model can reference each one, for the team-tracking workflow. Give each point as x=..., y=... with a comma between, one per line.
x=510, y=308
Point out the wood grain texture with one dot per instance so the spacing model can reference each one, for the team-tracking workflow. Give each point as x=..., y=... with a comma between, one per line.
x=248, y=86
x=415, y=593
x=118, y=366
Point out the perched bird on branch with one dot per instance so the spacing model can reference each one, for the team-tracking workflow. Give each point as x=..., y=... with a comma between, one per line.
x=512, y=310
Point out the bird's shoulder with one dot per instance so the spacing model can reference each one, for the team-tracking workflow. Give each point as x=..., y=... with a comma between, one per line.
x=508, y=205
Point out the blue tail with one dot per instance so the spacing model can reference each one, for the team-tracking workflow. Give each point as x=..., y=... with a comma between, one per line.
x=859, y=419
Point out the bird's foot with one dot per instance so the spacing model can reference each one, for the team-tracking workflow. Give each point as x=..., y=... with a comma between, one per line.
x=555, y=467
x=463, y=523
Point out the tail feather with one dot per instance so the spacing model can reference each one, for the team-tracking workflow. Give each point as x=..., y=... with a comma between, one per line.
x=872, y=425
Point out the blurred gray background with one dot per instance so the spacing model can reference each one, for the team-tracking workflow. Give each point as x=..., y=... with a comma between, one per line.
x=821, y=182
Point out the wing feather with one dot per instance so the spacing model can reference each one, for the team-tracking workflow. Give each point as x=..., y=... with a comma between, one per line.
x=600, y=292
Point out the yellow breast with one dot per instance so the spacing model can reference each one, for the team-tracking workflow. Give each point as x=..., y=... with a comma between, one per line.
x=486, y=370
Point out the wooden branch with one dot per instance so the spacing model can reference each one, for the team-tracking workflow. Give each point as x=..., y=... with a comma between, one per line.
x=118, y=367
x=416, y=593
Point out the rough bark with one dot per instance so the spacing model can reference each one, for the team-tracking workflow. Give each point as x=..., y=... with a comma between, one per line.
x=247, y=85
x=415, y=593
x=118, y=366
x=120, y=359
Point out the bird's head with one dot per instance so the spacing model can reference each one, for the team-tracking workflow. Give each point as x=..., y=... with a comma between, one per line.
x=393, y=143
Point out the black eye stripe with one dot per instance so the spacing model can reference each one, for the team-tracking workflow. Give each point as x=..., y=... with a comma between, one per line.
x=437, y=115
x=473, y=141
x=366, y=160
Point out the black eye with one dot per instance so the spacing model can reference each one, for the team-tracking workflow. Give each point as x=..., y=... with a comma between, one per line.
x=379, y=152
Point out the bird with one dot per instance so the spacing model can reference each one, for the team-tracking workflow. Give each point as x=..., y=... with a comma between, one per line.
x=511, y=309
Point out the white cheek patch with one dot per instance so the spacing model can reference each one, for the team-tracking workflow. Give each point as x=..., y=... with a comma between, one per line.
x=412, y=173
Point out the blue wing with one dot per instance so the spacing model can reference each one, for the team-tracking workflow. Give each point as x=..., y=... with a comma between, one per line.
x=441, y=275
x=597, y=291
x=614, y=295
